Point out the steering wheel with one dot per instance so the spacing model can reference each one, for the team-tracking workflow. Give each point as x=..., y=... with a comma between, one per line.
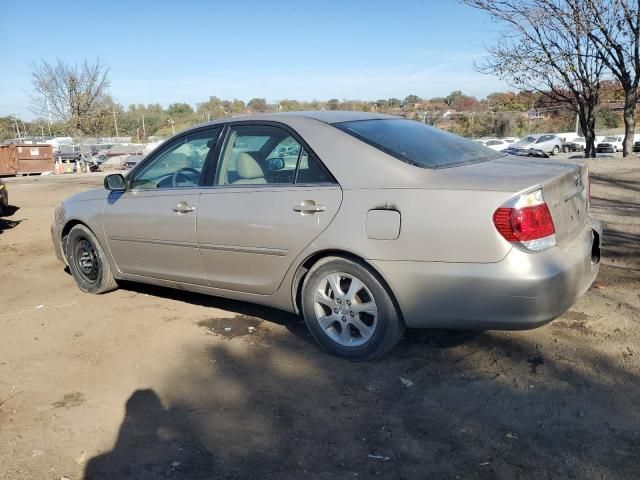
x=181, y=172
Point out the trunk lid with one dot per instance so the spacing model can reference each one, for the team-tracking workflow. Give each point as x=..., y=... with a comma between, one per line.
x=564, y=185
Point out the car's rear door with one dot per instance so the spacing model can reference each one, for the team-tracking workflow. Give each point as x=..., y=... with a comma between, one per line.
x=270, y=198
x=151, y=227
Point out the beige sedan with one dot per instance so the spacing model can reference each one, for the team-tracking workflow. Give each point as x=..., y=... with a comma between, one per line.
x=365, y=224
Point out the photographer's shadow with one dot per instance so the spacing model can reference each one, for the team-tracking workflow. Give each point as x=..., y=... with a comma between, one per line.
x=153, y=442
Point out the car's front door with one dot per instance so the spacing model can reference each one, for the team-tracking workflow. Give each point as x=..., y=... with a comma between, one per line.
x=270, y=199
x=151, y=227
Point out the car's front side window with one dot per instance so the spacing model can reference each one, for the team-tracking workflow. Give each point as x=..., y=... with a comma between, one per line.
x=178, y=165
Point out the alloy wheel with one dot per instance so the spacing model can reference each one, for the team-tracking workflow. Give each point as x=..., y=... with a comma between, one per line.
x=345, y=309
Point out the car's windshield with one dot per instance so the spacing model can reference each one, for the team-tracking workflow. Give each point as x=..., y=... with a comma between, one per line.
x=417, y=143
x=529, y=139
x=610, y=139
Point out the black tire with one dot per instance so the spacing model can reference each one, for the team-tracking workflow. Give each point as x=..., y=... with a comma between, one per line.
x=555, y=150
x=389, y=327
x=87, y=262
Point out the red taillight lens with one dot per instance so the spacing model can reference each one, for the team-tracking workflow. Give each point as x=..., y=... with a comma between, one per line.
x=524, y=224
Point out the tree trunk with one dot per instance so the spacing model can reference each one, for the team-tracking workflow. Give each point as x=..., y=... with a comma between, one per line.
x=587, y=119
x=631, y=97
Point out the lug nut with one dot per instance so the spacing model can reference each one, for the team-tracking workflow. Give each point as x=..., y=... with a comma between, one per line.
x=335, y=310
x=351, y=313
x=344, y=319
x=348, y=303
x=338, y=301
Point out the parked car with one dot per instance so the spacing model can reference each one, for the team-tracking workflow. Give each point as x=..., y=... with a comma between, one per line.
x=131, y=161
x=511, y=139
x=575, y=144
x=68, y=153
x=4, y=198
x=610, y=144
x=636, y=146
x=497, y=144
x=382, y=224
x=525, y=152
x=547, y=143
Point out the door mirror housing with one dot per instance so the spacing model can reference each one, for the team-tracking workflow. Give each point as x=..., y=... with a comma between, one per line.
x=115, y=182
x=275, y=163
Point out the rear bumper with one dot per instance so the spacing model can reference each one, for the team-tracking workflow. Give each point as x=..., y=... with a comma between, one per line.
x=522, y=291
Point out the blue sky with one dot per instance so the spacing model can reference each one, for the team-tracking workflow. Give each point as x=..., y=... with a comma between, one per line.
x=186, y=51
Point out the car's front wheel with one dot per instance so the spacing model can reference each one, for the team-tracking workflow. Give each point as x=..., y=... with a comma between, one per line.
x=349, y=310
x=87, y=262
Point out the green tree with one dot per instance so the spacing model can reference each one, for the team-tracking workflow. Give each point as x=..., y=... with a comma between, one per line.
x=258, y=105
x=411, y=99
x=180, y=109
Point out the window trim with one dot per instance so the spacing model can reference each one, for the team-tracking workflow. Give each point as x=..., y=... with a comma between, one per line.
x=170, y=143
x=210, y=179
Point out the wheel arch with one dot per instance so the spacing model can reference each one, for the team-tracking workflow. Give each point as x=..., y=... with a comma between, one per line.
x=304, y=267
x=64, y=233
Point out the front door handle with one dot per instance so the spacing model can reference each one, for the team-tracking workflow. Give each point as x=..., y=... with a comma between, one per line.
x=183, y=207
x=308, y=207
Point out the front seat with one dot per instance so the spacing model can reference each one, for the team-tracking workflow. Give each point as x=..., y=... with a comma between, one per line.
x=249, y=170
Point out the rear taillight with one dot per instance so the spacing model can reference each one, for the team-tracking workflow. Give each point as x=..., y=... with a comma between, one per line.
x=526, y=222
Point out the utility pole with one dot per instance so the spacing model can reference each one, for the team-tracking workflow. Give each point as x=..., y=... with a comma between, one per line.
x=50, y=119
x=144, y=130
x=172, y=123
x=115, y=122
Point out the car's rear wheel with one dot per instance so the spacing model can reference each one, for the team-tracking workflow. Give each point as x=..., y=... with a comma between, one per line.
x=87, y=262
x=555, y=150
x=349, y=310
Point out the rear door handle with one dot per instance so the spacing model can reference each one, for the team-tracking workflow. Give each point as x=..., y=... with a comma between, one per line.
x=183, y=207
x=309, y=206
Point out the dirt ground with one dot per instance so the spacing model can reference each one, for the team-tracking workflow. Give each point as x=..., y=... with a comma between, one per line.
x=150, y=383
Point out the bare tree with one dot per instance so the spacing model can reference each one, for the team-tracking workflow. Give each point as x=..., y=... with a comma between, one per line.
x=545, y=48
x=73, y=94
x=614, y=27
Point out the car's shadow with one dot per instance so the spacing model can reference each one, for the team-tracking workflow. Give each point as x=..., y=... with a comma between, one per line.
x=414, y=338
x=5, y=222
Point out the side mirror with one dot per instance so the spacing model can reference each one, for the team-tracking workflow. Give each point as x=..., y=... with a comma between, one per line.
x=115, y=182
x=275, y=163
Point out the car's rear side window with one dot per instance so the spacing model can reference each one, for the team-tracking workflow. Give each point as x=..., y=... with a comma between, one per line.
x=417, y=143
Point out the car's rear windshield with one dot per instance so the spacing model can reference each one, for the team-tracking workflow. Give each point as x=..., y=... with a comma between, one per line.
x=417, y=143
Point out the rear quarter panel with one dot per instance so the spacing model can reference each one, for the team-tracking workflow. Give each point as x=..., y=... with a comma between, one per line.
x=435, y=225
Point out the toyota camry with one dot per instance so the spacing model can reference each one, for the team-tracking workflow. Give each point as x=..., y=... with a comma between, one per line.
x=364, y=224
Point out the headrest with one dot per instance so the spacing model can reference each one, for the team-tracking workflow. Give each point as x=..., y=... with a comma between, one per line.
x=248, y=167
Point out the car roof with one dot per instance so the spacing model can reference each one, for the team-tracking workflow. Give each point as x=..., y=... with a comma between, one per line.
x=330, y=116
